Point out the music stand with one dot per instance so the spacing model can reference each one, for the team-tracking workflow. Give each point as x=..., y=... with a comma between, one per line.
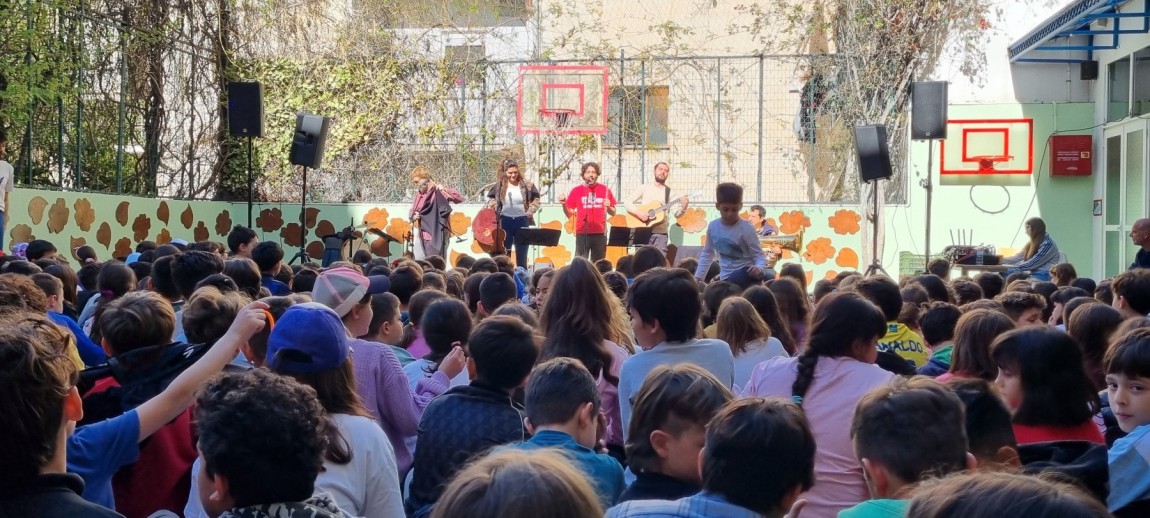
x=387, y=239
x=628, y=237
x=533, y=237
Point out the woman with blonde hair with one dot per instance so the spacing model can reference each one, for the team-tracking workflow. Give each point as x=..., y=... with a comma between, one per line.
x=1037, y=256
x=577, y=322
x=430, y=213
x=519, y=484
x=740, y=325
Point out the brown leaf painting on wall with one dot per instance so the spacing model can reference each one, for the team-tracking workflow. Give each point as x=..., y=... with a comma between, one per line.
x=21, y=233
x=310, y=215
x=58, y=216
x=223, y=223
x=162, y=212
x=270, y=220
x=104, y=235
x=141, y=227
x=123, y=248
x=290, y=234
x=201, y=232
x=85, y=214
x=122, y=213
x=324, y=228
x=187, y=217
x=315, y=250
x=74, y=243
x=164, y=237
x=36, y=208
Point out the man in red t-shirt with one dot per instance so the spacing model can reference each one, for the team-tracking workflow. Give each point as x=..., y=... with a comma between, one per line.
x=590, y=204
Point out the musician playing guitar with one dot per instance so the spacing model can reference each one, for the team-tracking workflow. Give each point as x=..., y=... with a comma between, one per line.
x=516, y=200
x=660, y=192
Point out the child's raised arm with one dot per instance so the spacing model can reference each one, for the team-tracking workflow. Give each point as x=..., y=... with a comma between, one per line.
x=167, y=405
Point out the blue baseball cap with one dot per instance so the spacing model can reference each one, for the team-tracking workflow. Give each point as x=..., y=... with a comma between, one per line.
x=308, y=338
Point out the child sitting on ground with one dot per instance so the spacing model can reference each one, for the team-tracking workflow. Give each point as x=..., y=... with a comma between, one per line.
x=519, y=484
x=936, y=447
x=737, y=482
x=668, y=423
x=937, y=324
x=1001, y=494
x=261, y=436
x=664, y=306
x=1127, y=379
x=466, y=421
x=446, y=325
x=899, y=339
x=734, y=240
x=989, y=433
x=563, y=412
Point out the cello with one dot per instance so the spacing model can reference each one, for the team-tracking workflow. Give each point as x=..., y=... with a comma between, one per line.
x=488, y=224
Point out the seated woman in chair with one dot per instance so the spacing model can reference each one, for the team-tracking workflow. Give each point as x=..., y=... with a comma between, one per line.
x=1039, y=254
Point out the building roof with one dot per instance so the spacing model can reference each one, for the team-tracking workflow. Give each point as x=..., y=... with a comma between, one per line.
x=1074, y=33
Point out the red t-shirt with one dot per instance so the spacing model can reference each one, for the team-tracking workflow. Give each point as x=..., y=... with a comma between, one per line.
x=1087, y=431
x=590, y=206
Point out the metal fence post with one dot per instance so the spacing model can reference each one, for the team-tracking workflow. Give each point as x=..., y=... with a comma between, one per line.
x=718, y=120
x=759, y=186
x=622, y=119
x=120, y=116
x=79, y=140
x=643, y=114
x=483, y=118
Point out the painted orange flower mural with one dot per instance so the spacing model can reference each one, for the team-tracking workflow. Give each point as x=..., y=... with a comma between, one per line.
x=460, y=223
x=164, y=237
x=36, y=208
x=21, y=233
x=830, y=276
x=398, y=228
x=845, y=222
x=58, y=216
x=290, y=234
x=819, y=250
x=141, y=227
x=376, y=218
x=793, y=222
x=200, y=233
x=553, y=225
x=559, y=255
x=693, y=220
x=848, y=258
x=223, y=223
x=123, y=248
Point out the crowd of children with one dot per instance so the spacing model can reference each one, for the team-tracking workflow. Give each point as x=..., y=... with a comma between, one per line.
x=204, y=379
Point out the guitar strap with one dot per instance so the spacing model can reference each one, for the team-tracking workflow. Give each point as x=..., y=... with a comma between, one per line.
x=666, y=195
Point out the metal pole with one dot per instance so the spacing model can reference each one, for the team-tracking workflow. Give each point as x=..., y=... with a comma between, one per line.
x=718, y=120
x=80, y=103
x=251, y=182
x=622, y=119
x=929, y=185
x=120, y=119
x=643, y=110
x=483, y=121
x=759, y=186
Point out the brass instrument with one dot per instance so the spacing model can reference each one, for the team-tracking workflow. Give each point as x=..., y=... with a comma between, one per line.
x=792, y=242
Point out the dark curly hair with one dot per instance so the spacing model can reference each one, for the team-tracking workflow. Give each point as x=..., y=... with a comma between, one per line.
x=265, y=433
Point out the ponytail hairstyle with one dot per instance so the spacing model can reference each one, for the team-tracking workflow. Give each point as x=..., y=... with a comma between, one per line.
x=446, y=323
x=114, y=281
x=765, y=304
x=840, y=320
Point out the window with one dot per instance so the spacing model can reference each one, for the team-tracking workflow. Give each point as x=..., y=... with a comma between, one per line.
x=1141, y=101
x=1119, y=90
x=465, y=61
x=625, y=114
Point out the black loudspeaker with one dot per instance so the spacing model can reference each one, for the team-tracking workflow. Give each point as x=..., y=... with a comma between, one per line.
x=873, y=153
x=309, y=140
x=246, y=109
x=1088, y=70
x=928, y=110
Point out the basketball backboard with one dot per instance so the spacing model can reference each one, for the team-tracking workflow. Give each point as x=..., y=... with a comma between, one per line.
x=580, y=90
x=988, y=147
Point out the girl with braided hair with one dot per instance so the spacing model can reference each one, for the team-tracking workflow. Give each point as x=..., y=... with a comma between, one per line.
x=827, y=379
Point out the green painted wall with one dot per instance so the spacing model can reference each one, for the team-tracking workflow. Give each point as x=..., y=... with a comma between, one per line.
x=994, y=212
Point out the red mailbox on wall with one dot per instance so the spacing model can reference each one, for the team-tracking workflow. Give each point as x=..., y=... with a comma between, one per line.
x=1071, y=155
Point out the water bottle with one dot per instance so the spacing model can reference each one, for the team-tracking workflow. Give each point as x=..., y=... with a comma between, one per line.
x=978, y=256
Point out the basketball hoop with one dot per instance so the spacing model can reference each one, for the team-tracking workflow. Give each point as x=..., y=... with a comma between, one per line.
x=558, y=119
x=987, y=163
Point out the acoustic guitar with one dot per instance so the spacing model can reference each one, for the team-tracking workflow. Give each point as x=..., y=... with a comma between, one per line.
x=657, y=211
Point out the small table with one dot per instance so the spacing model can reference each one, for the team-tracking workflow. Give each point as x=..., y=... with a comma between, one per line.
x=964, y=268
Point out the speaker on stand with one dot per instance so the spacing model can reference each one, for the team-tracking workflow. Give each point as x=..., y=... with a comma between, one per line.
x=307, y=147
x=928, y=122
x=246, y=119
x=874, y=165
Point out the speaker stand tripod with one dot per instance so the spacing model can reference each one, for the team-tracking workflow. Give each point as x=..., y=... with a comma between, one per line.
x=876, y=262
x=302, y=254
x=251, y=181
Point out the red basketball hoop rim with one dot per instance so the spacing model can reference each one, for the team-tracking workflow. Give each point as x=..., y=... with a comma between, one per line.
x=561, y=116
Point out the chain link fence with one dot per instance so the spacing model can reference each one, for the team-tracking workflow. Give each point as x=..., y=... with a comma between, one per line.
x=759, y=121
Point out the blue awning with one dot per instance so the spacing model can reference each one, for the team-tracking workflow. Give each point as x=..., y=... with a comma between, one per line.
x=1067, y=37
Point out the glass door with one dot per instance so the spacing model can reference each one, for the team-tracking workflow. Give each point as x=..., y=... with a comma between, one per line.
x=1125, y=198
